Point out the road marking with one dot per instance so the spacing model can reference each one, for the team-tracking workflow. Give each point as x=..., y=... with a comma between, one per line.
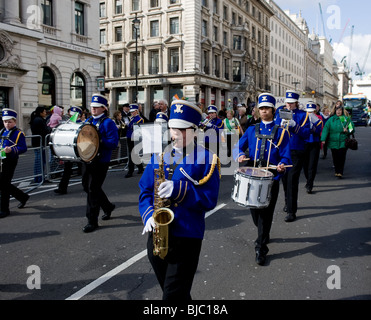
x=96, y=283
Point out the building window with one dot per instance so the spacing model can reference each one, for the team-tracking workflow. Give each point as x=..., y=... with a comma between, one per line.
x=117, y=65
x=174, y=25
x=174, y=60
x=46, y=87
x=215, y=35
x=4, y=98
x=237, y=71
x=174, y=1
x=225, y=12
x=204, y=3
x=154, y=26
x=118, y=34
x=237, y=42
x=102, y=10
x=205, y=62
x=215, y=7
x=102, y=36
x=135, y=5
x=47, y=12
x=77, y=89
x=79, y=18
x=226, y=69
x=118, y=6
x=154, y=62
x=225, y=38
x=204, y=28
x=154, y=3
x=132, y=59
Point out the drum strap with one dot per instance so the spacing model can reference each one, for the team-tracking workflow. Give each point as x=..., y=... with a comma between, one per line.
x=264, y=138
x=100, y=121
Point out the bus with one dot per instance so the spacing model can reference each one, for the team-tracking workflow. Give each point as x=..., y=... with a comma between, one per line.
x=356, y=105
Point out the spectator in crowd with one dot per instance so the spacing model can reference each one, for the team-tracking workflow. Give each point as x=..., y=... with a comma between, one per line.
x=325, y=113
x=242, y=118
x=337, y=129
x=56, y=117
x=254, y=119
x=232, y=130
x=153, y=112
x=40, y=130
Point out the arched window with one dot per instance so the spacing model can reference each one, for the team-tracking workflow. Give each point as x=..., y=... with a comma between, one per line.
x=46, y=87
x=78, y=94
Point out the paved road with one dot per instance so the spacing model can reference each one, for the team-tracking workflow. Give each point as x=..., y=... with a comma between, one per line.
x=333, y=229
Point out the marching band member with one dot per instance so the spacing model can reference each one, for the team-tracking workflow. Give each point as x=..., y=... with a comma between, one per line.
x=67, y=172
x=312, y=147
x=134, y=120
x=192, y=188
x=215, y=124
x=299, y=129
x=95, y=172
x=13, y=143
x=274, y=141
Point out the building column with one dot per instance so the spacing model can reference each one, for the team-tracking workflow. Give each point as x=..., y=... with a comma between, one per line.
x=11, y=12
x=30, y=6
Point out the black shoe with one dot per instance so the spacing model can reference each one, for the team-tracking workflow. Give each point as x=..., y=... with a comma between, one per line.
x=4, y=214
x=140, y=171
x=107, y=215
x=285, y=208
x=309, y=190
x=260, y=258
x=59, y=191
x=129, y=175
x=290, y=217
x=23, y=203
x=90, y=228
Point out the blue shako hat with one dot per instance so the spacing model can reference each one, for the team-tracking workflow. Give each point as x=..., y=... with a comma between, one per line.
x=134, y=107
x=161, y=117
x=292, y=96
x=99, y=100
x=212, y=108
x=184, y=114
x=74, y=109
x=8, y=114
x=311, y=107
x=267, y=100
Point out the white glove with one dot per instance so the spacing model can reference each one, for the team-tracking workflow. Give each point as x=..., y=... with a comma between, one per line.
x=292, y=123
x=284, y=123
x=166, y=189
x=313, y=118
x=150, y=225
x=209, y=125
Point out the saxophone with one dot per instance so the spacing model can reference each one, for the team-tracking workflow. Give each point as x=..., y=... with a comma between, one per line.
x=162, y=215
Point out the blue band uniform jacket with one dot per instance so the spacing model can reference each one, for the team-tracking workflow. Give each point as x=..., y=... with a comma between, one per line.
x=280, y=150
x=299, y=134
x=190, y=202
x=218, y=126
x=109, y=137
x=17, y=142
x=133, y=121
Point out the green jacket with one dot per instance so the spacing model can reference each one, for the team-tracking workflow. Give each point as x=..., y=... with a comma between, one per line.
x=333, y=132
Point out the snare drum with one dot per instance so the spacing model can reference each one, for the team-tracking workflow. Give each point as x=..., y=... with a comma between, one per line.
x=75, y=141
x=252, y=187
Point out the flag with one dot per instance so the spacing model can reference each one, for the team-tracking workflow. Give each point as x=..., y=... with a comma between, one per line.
x=176, y=97
x=74, y=117
x=350, y=127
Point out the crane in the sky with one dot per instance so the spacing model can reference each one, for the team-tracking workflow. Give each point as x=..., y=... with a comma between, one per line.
x=360, y=72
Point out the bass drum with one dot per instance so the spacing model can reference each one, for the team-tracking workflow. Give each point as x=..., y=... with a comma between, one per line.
x=75, y=141
x=252, y=187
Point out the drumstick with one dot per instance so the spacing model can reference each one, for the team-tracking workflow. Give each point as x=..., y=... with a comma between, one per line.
x=256, y=151
x=275, y=167
x=269, y=154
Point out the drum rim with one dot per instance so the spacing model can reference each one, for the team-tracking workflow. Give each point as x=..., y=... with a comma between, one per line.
x=75, y=142
x=269, y=175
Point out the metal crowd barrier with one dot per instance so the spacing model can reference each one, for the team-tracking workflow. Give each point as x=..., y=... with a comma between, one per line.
x=38, y=165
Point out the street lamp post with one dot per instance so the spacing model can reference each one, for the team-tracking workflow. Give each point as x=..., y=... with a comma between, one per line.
x=136, y=25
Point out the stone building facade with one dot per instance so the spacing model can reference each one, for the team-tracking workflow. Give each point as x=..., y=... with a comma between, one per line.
x=49, y=54
x=210, y=51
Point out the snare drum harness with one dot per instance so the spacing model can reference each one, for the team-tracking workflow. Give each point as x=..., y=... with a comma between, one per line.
x=264, y=137
x=3, y=138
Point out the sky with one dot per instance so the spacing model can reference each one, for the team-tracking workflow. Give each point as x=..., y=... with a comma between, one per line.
x=338, y=17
